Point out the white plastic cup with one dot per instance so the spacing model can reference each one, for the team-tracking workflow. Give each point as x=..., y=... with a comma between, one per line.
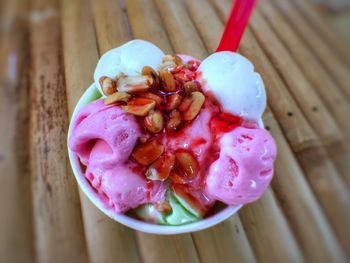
x=127, y=220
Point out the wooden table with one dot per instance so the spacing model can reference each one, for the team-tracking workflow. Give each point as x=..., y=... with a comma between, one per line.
x=48, y=52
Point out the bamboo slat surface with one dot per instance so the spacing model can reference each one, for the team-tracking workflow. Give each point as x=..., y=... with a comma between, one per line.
x=48, y=52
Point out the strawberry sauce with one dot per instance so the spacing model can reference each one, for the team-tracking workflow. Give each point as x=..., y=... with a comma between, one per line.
x=181, y=126
x=193, y=152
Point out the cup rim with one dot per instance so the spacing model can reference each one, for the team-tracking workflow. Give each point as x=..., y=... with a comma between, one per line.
x=127, y=220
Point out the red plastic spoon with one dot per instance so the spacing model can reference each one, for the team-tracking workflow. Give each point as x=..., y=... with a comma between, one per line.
x=236, y=24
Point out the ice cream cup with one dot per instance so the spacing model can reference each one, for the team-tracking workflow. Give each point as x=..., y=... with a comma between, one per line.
x=92, y=94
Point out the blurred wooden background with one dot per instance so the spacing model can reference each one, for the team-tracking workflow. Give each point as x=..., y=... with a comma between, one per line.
x=48, y=52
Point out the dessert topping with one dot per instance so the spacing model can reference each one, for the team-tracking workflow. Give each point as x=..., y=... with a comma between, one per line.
x=167, y=80
x=192, y=65
x=163, y=207
x=154, y=121
x=173, y=101
x=176, y=178
x=139, y=106
x=187, y=163
x=148, y=71
x=148, y=152
x=161, y=168
x=162, y=99
x=134, y=84
x=176, y=59
x=117, y=97
x=191, y=86
x=185, y=74
x=152, y=96
x=174, y=121
x=108, y=85
x=197, y=100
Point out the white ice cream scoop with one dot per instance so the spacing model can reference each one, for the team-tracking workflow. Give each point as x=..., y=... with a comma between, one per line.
x=129, y=59
x=231, y=78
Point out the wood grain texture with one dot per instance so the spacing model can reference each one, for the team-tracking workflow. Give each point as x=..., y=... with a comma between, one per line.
x=58, y=222
x=16, y=238
x=299, y=204
x=106, y=239
x=110, y=24
x=177, y=22
x=145, y=23
x=339, y=153
x=159, y=249
x=224, y=241
x=330, y=191
x=204, y=19
x=296, y=128
x=288, y=247
x=325, y=54
x=319, y=170
x=144, y=240
x=80, y=49
x=243, y=249
x=48, y=53
x=307, y=99
x=321, y=82
x=324, y=30
x=237, y=240
x=268, y=231
x=316, y=232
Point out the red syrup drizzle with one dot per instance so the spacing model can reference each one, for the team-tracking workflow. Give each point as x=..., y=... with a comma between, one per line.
x=192, y=191
x=189, y=189
x=194, y=195
x=150, y=186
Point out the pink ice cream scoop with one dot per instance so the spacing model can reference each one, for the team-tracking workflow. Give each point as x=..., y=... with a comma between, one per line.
x=196, y=137
x=103, y=137
x=115, y=127
x=119, y=186
x=244, y=168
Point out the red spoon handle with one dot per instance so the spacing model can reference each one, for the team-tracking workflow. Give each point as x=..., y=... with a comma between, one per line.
x=236, y=24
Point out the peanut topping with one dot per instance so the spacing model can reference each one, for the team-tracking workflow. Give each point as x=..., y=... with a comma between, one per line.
x=148, y=152
x=163, y=207
x=162, y=100
x=148, y=71
x=167, y=58
x=187, y=163
x=117, y=97
x=185, y=104
x=176, y=177
x=139, y=106
x=151, y=96
x=167, y=80
x=154, y=122
x=178, y=61
x=191, y=86
x=108, y=85
x=134, y=84
x=161, y=168
x=175, y=59
x=174, y=121
x=167, y=66
x=173, y=101
x=197, y=102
